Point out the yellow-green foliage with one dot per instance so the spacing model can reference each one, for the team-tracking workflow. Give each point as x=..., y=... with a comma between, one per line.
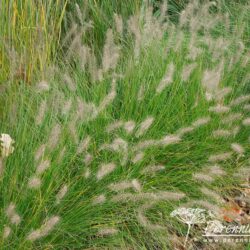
x=29, y=35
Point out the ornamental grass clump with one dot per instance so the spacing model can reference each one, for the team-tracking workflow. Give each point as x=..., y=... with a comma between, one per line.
x=120, y=137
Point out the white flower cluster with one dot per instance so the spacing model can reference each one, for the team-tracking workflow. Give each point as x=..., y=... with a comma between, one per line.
x=6, y=145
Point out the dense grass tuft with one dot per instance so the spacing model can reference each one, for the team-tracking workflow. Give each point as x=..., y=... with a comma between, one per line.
x=117, y=135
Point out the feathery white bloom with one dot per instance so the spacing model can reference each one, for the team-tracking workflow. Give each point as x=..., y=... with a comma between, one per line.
x=144, y=126
x=88, y=159
x=216, y=170
x=138, y=157
x=237, y=148
x=44, y=229
x=15, y=219
x=120, y=186
x=108, y=98
x=129, y=126
x=152, y=169
x=12, y=215
x=87, y=173
x=42, y=86
x=83, y=146
x=110, y=52
x=157, y=196
x=86, y=111
x=107, y=231
x=182, y=131
x=166, y=195
x=42, y=166
x=104, y=170
x=187, y=70
x=6, y=145
x=194, y=51
x=40, y=152
x=240, y=100
x=167, y=79
x=221, y=133
x=145, y=144
x=118, y=23
x=247, y=107
x=170, y=139
x=10, y=210
x=66, y=107
x=220, y=94
x=243, y=173
x=231, y=118
x=136, y=185
x=220, y=157
x=6, y=232
x=201, y=121
x=62, y=192
x=70, y=83
x=235, y=130
x=34, y=182
x=203, y=177
x=79, y=14
x=219, y=109
x=141, y=92
x=209, y=96
x=61, y=155
x=134, y=27
x=41, y=113
x=54, y=136
x=99, y=199
x=211, y=79
x=114, y=125
x=246, y=122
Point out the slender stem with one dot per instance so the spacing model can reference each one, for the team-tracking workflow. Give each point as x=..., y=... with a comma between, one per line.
x=189, y=227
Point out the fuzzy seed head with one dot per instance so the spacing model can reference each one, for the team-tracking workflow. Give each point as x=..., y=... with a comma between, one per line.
x=236, y=147
x=107, y=231
x=219, y=109
x=40, y=152
x=62, y=192
x=170, y=139
x=54, y=136
x=220, y=157
x=221, y=133
x=201, y=122
x=203, y=177
x=144, y=126
x=42, y=86
x=6, y=232
x=42, y=166
x=99, y=199
x=41, y=113
x=104, y=170
x=187, y=70
x=34, y=182
x=83, y=146
x=6, y=145
x=246, y=122
x=129, y=126
x=138, y=157
x=167, y=79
